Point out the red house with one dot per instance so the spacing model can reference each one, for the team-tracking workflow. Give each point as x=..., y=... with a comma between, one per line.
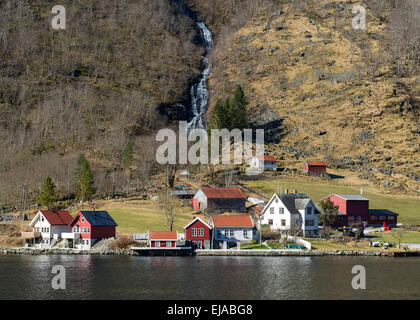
x=315, y=168
x=163, y=239
x=91, y=226
x=197, y=234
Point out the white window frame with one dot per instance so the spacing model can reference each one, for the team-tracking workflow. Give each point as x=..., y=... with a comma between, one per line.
x=194, y=232
x=169, y=244
x=201, y=232
x=281, y=210
x=245, y=233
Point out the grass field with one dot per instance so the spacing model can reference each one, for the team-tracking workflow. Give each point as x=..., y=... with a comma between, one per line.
x=408, y=237
x=142, y=216
x=408, y=208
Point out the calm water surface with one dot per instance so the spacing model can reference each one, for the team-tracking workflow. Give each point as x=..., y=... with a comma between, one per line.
x=114, y=277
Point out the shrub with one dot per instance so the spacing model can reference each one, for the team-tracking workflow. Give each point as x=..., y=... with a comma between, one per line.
x=122, y=242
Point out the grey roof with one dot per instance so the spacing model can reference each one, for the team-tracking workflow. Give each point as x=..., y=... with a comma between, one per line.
x=99, y=218
x=183, y=192
x=351, y=196
x=295, y=201
x=375, y=212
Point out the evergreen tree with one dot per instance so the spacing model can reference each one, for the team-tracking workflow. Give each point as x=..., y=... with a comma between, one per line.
x=330, y=213
x=218, y=117
x=48, y=195
x=127, y=155
x=237, y=110
x=84, y=179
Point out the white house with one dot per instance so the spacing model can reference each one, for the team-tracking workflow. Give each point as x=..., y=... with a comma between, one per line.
x=232, y=229
x=264, y=163
x=291, y=212
x=48, y=225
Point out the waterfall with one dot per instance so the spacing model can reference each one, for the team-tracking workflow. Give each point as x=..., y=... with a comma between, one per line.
x=199, y=92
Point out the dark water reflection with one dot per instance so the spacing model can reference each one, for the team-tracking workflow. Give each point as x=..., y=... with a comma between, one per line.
x=113, y=277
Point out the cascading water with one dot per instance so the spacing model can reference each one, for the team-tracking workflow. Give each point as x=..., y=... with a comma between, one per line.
x=199, y=91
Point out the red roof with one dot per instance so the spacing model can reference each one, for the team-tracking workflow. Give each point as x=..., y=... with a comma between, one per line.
x=225, y=193
x=163, y=235
x=233, y=221
x=57, y=217
x=317, y=163
x=266, y=158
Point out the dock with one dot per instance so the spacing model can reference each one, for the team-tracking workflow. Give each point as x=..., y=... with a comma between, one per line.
x=170, y=252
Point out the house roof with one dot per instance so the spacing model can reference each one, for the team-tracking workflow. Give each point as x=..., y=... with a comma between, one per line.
x=163, y=235
x=194, y=220
x=293, y=202
x=60, y=217
x=348, y=196
x=317, y=163
x=232, y=221
x=266, y=158
x=378, y=212
x=223, y=193
x=98, y=218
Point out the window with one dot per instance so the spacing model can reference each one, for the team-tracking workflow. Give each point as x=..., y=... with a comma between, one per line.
x=82, y=219
x=219, y=233
x=88, y=230
x=168, y=243
x=309, y=210
x=281, y=210
x=351, y=218
x=157, y=243
x=194, y=232
x=309, y=223
x=270, y=222
x=381, y=218
x=283, y=223
x=390, y=218
x=42, y=219
x=276, y=201
x=231, y=233
x=359, y=218
x=272, y=210
x=201, y=232
x=245, y=233
x=373, y=217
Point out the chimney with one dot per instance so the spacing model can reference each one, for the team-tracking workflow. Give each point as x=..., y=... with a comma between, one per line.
x=295, y=191
x=286, y=191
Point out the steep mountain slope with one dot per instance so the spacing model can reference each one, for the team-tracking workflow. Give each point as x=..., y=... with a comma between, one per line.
x=347, y=96
x=118, y=71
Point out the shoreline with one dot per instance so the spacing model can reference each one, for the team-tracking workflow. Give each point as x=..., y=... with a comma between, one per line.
x=215, y=253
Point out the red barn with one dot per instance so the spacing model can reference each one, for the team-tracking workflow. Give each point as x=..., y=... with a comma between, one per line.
x=163, y=239
x=92, y=226
x=315, y=168
x=352, y=209
x=197, y=234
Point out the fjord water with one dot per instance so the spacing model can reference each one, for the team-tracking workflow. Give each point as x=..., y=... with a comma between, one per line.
x=239, y=278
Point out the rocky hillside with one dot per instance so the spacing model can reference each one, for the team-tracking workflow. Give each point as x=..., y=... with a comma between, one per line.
x=323, y=89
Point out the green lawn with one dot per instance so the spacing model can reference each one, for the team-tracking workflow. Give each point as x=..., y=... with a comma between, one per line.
x=143, y=219
x=408, y=237
x=407, y=208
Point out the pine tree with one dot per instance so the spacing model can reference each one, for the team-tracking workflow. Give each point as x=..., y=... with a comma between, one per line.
x=127, y=155
x=48, y=196
x=84, y=179
x=218, y=116
x=237, y=110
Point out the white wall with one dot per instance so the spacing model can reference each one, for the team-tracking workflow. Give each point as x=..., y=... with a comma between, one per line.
x=238, y=234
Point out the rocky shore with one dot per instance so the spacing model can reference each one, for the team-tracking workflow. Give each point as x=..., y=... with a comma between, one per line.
x=53, y=251
x=307, y=253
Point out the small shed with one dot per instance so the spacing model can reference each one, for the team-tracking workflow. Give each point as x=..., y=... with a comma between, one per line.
x=163, y=239
x=315, y=168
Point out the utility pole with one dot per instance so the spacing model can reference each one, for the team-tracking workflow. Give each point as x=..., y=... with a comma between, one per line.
x=278, y=186
x=25, y=204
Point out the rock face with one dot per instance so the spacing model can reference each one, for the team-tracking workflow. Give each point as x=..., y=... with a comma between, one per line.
x=268, y=120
